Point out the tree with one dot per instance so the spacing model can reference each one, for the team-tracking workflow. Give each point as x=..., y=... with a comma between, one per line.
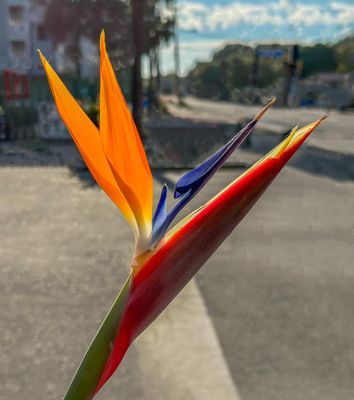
x=125, y=22
x=137, y=21
x=147, y=17
x=318, y=58
x=344, y=50
x=159, y=28
x=70, y=20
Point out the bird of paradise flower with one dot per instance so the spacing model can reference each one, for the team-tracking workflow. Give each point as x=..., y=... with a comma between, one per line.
x=165, y=259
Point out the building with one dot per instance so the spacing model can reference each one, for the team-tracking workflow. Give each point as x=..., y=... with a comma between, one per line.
x=21, y=33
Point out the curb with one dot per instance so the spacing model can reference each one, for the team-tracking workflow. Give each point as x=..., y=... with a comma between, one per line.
x=311, y=144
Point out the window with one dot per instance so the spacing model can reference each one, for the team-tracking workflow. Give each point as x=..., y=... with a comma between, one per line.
x=41, y=32
x=16, y=14
x=18, y=49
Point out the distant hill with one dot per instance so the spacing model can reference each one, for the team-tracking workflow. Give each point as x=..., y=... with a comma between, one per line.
x=344, y=50
x=233, y=67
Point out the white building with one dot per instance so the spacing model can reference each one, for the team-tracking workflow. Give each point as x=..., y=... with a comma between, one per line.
x=22, y=32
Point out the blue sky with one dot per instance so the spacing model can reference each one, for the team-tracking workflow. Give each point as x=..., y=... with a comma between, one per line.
x=206, y=25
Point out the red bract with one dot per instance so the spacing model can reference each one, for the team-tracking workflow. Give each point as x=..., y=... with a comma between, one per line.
x=167, y=270
x=165, y=261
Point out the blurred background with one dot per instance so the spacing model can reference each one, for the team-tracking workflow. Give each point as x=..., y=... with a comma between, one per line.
x=273, y=309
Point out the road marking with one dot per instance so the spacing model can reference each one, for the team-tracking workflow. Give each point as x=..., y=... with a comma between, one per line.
x=182, y=350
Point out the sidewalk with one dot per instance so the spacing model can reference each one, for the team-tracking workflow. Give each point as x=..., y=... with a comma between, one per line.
x=336, y=134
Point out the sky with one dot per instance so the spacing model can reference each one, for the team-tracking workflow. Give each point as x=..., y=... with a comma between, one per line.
x=207, y=25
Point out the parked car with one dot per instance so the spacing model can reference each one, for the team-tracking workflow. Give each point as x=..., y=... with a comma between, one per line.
x=4, y=125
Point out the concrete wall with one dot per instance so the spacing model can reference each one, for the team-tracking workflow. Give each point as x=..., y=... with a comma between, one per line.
x=186, y=146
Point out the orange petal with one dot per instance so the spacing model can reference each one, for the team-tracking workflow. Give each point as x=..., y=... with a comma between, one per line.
x=122, y=146
x=87, y=139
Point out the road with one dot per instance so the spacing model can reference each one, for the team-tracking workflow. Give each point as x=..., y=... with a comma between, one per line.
x=337, y=134
x=65, y=252
x=279, y=291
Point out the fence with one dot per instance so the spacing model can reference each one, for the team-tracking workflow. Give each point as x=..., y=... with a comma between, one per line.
x=27, y=109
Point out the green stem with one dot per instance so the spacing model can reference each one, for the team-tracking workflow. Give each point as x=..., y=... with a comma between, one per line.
x=90, y=370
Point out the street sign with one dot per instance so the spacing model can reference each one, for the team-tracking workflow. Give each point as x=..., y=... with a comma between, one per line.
x=270, y=53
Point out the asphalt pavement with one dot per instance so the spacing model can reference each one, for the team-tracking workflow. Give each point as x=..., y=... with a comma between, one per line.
x=280, y=289
x=277, y=297
x=65, y=252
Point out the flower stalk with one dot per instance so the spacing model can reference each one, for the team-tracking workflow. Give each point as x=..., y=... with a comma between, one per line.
x=166, y=258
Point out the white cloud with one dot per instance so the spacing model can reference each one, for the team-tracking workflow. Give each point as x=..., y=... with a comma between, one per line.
x=274, y=17
x=345, y=13
x=190, y=52
x=191, y=16
x=197, y=16
x=284, y=4
x=310, y=15
x=201, y=45
x=236, y=13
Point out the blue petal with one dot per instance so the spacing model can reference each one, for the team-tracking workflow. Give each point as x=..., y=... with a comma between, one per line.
x=200, y=175
x=161, y=209
x=190, y=183
x=159, y=230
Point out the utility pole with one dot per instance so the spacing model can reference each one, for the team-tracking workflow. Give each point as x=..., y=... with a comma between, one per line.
x=137, y=87
x=255, y=69
x=158, y=73
x=290, y=71
x=177, y=59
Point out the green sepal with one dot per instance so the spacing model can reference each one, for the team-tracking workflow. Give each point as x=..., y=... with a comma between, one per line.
x=87, y=376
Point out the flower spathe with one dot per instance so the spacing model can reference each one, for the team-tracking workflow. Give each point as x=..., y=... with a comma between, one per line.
x=165, y=258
